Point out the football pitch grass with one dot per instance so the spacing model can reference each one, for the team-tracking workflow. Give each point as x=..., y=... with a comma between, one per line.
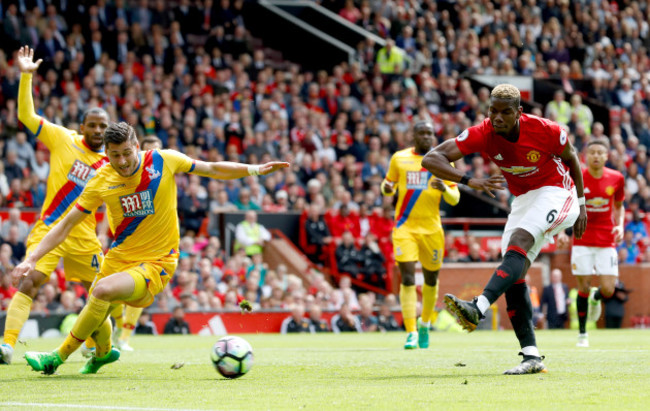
x=347, y=372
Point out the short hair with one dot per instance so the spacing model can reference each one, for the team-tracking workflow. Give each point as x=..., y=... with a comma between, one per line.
x=603, y=141
x=151, y=140
x=94, y=110
x=118, y=133
x=422, y=123
x=507, y=92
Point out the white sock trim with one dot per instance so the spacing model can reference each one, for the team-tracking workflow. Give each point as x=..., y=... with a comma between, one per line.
x=482, y=303
x=530, y=350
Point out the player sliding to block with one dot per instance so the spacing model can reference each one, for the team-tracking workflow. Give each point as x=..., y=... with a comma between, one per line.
x=139, y=190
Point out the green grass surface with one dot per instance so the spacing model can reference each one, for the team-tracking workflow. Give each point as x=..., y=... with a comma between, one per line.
x=352, y=371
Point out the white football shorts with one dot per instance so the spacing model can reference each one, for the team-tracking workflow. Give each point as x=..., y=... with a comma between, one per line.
x=543, y=213
x=594, y=260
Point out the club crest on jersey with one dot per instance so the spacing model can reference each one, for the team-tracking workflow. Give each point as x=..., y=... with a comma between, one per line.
x=80, y=173
x=533, y=156
x=519, y=170
x=138, y=204
x=153, y=173
x=609, y=190
x=417, y=180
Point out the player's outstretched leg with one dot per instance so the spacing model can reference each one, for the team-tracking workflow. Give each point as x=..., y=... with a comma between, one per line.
x=530, y=365
x=94, y=363
x=466, y=312
x=46, y=362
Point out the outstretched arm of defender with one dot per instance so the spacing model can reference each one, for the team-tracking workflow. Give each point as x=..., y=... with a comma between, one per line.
x=438, y=162
x=227, y=170
x=55, y=237
x=27, y=66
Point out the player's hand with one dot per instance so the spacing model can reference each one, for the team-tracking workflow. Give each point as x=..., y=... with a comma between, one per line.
x=581, y=223
x=563, y=240
x=618, y=232
x=21, y=271
x=272, y=167
x=25, y=60
x=387, y=187
x=438, y=184
x=487, y=184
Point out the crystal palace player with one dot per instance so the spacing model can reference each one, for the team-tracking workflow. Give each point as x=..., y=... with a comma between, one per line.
x=595, y=253
x=74, y=159
x=139, y=190
x=418, y=234
x=543, y=172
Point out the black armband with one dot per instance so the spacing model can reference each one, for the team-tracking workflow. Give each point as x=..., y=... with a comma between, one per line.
x=465, y=179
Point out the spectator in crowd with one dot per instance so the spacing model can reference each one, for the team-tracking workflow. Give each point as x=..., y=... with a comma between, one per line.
x=345, y=321
x=555, y=300
x=386, y=320
x=145, y=326
x=250, y=235
x=348, y=257
x=367, y=319
x=15, y=221
x=18, y=249
x=372, y=261
x=629, y=251
x=176, y=323
x=615, y=306
x=316, y=322
x=296, y=322
x=317, y=233
x=7, y=290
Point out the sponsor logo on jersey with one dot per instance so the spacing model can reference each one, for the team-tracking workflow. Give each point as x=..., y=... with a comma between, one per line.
x=597, y=202
x=519, y=170
x=80, y=173
x=117, y=186
x=417, y=180
x=533, y=156
x=137, y=204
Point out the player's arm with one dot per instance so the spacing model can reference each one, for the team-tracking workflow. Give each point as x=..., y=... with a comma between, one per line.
x=619, y=221
x=227, y=170
x=570, y=158
x=450, y=193
x=27, y=66
x=55, y=237
x=438, y=161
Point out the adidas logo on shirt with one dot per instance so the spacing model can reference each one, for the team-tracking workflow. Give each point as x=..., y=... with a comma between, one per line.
x=498, y=157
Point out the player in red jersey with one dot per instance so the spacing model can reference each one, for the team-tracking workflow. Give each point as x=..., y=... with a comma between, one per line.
x=595, y=253
x=543, y=172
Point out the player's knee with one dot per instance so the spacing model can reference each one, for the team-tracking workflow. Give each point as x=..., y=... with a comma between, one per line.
x=103, y=291
x=522, y=239
x=31, y=284
x=408, y=279
x=607, y=290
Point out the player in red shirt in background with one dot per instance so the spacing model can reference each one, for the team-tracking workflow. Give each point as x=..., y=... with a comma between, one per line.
x=595, y=253
x=540, y=166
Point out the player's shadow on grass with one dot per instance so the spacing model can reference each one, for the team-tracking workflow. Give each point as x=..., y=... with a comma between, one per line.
x=424, y=376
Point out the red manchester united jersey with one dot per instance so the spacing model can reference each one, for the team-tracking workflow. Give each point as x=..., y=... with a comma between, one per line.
x=531, y=162
x=600, y=195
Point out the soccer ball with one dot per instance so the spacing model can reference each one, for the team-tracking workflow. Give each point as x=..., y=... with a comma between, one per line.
x=232, y=356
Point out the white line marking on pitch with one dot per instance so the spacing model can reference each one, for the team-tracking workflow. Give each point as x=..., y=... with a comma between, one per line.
x=93, y=407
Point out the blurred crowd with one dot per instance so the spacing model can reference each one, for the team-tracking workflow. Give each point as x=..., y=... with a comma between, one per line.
x=190, y=73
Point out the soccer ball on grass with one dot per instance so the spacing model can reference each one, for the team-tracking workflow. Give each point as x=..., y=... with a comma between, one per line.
x=232, y=356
